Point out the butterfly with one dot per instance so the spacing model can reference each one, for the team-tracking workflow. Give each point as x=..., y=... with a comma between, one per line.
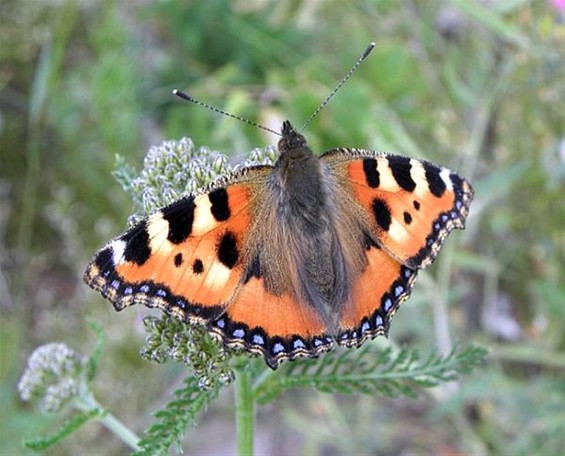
x=290, y=260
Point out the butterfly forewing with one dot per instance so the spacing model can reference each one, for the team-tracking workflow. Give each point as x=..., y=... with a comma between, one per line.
x=412, y=205
x=187, y=258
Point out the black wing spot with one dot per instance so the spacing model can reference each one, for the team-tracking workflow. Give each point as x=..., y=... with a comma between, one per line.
x=178, y=260
x=400, y=167
x=198, y=266
x=371, y=172
x=407, y=218
x=180, y=216
x=382, y=214
x=220, y=206
x=227, y=250
x=416, y=205
x=137, y=248
x=435, y=182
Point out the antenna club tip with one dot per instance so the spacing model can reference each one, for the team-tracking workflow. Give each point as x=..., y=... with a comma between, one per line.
x=368, y=50
x=182, y=95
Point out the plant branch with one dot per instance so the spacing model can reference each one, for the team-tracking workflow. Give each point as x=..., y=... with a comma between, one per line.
x=244, y=413
x=88, y=403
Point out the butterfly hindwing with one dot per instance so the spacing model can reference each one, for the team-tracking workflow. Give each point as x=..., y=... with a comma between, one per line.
x=187, y=258
x=277, y=327
x=377, y=294
x=412, y=205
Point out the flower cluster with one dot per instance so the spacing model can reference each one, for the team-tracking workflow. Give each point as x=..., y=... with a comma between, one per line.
x=56, y=374
x=173, y=169
x=266, y=156
x=170, y=338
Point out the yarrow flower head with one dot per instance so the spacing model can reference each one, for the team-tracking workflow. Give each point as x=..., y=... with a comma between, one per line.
x=170, y=338
x=56, y=374
x=266, y=156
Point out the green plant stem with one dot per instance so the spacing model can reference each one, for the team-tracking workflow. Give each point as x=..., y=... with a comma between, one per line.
x=121, y=430
x=87, y=402
x=245, y=414
x=33, y=166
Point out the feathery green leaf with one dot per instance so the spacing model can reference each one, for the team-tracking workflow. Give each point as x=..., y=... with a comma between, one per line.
x=68, y=427
x=370, y=371
x=171, y=422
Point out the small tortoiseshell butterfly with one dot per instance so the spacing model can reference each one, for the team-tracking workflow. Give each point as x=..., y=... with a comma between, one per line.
x=287, y=260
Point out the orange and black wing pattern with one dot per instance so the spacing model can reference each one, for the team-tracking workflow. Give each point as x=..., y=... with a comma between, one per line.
x=187, y=259
x=190, y=260
x=410, y=207
x=277, y=327
x=378, y=292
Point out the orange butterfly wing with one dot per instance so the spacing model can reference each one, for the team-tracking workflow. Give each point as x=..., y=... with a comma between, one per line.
x=187, y=258
x=410, y=206
x=377, y=294
x=277, y=327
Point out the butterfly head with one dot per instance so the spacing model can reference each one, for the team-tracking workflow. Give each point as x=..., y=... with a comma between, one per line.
x=297, y=172
x=293, y=144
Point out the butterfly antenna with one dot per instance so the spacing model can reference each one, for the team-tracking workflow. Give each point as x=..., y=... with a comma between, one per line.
x=365, y=54
x=187, y=97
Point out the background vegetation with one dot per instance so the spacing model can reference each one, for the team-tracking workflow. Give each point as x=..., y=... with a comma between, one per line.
x=474, y=85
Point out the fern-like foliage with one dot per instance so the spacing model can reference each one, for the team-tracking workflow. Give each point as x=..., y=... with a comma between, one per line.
x=171, y=422
x=370, y=370
x=66, y=429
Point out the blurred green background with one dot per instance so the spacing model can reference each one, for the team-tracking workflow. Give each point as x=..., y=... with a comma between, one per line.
x=474, y=85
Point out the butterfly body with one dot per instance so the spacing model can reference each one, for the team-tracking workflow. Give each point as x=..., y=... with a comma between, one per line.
x=303, y=236
x=287, y=260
